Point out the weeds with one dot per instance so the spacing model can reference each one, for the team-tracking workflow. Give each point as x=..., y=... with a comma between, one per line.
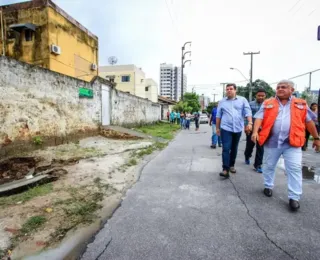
x=37, y=140
x=32, y=224
x=163, y=130
x=27, y=195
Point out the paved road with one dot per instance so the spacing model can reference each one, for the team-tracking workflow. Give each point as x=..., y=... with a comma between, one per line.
x=181, y=209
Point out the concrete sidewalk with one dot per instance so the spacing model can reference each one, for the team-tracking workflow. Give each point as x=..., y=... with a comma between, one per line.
x=182, y=209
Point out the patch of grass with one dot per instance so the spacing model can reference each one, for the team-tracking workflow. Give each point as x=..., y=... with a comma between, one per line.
x=79, y=209
x=32, y=224
x=37, y=140
x=163, y=130
x=132, y=162
x=37, y=191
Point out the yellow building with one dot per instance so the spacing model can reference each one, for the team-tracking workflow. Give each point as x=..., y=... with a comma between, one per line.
x=128, y=78
x=39, y=32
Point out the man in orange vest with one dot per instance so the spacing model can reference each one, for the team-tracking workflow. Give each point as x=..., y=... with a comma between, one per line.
x=283, y=121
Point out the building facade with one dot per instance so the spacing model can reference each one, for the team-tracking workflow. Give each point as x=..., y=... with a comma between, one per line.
x=38, y=32
x=170, y=81
x=131, y=79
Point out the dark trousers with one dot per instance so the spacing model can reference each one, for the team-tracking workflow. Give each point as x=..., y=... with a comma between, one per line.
x=249, y=149
x=230, y=142
x=197, y=123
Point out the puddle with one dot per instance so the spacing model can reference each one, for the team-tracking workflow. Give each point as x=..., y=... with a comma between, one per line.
x=311, y=174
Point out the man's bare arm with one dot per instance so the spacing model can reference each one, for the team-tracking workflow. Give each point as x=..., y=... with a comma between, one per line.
x=311, y=127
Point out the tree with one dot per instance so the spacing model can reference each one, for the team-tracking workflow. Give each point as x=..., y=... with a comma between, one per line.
x=192, y=101
x=256, y=85
x=210, y=106
x=182, y=107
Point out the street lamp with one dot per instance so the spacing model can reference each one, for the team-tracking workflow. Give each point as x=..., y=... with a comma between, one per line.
x=240, y=73
x=183, y=63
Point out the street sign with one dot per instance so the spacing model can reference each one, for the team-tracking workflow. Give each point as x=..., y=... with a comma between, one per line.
x=84, y=92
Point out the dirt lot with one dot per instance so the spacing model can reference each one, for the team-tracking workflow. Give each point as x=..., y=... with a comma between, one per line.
x=88, y=173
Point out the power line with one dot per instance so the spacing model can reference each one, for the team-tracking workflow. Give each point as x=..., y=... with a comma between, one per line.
x=294, y=5
x=172, y=20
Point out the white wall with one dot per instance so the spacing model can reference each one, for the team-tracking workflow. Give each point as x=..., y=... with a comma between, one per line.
x=36, y=101
x=132, y=110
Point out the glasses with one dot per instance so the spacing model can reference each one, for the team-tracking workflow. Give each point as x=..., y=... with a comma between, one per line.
x=282, y=87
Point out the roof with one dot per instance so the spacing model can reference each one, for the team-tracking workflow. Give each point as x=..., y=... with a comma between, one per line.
x=46, y=3
x=21, y=26
x=167, y=100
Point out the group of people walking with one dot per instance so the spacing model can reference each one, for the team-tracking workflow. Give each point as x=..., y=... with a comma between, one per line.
x=277, y=127
x=183, y=119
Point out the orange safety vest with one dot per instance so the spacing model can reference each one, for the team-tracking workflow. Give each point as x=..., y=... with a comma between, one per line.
x=298, y=111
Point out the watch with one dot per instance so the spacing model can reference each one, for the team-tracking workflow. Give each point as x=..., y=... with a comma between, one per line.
x=316, y=139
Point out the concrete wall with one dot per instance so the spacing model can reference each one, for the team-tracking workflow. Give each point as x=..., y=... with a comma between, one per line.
x=39, y=102
x=132, y=110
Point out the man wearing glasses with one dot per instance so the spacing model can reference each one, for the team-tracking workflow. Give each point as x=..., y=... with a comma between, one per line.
x=283, y=121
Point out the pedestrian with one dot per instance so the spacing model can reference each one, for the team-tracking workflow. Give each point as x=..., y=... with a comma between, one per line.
x=229, y=125
x=182, y=118
x=255, y=106
x=314, y=109
x=212, y=122
x=283, y=120
x=196, y=120
x=172, y=117
x=188, y=119
x=168, y=115
x=178, y=118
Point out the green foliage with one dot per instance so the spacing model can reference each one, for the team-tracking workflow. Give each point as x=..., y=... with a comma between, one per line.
x=27, y=195
x=32, y=224
x=163, y=130
x=210, y=106
x=258, y=84
x=189, y=104
x=37, y=140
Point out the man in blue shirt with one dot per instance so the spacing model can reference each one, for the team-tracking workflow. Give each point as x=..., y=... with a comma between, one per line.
x=214, y=138
x=255, y=106
x=229, y=124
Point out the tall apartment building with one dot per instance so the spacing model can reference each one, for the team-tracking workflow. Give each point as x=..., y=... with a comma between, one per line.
x=170, y=81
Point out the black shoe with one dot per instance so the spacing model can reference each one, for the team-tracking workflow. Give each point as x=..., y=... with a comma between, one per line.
x=220, y=145
x=213, y=146
x=224, y=174
x=294, y=205
x=267, y=192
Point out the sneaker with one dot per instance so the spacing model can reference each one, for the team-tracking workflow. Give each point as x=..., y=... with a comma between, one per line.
x=247, y=161
x=224, y=174
x=213, y=146
x=220, y=145
x=233, y=170
x=259, y=169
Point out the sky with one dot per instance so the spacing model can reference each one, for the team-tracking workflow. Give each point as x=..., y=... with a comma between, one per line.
x=149, y=32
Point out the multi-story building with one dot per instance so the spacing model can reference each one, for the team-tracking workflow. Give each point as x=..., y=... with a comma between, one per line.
x=170, y=81
x=39, y=32
x=131, y=79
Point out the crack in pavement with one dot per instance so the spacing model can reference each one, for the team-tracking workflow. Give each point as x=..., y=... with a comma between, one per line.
x=257, y=223
x=97, y=258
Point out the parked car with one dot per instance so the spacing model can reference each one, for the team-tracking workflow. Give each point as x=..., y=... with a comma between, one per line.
x=204, y=119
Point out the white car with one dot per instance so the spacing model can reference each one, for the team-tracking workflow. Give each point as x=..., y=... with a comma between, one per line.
x=204, y=119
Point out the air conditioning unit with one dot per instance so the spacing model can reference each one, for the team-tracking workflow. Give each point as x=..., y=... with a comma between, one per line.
x=94, y=66
x=55, y=49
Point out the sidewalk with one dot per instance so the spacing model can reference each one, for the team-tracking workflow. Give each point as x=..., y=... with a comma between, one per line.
x=182, y=209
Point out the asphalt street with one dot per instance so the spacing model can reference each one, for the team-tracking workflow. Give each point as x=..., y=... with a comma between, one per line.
x=182, y=209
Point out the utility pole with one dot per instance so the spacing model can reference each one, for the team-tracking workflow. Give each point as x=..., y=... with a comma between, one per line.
x=223, y=88
x=214, y=98
x=250, y=87
x=310, y=78
x=183, y=63
x=2, y=33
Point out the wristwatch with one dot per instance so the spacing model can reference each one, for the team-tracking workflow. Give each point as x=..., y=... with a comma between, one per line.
x=316, y=139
